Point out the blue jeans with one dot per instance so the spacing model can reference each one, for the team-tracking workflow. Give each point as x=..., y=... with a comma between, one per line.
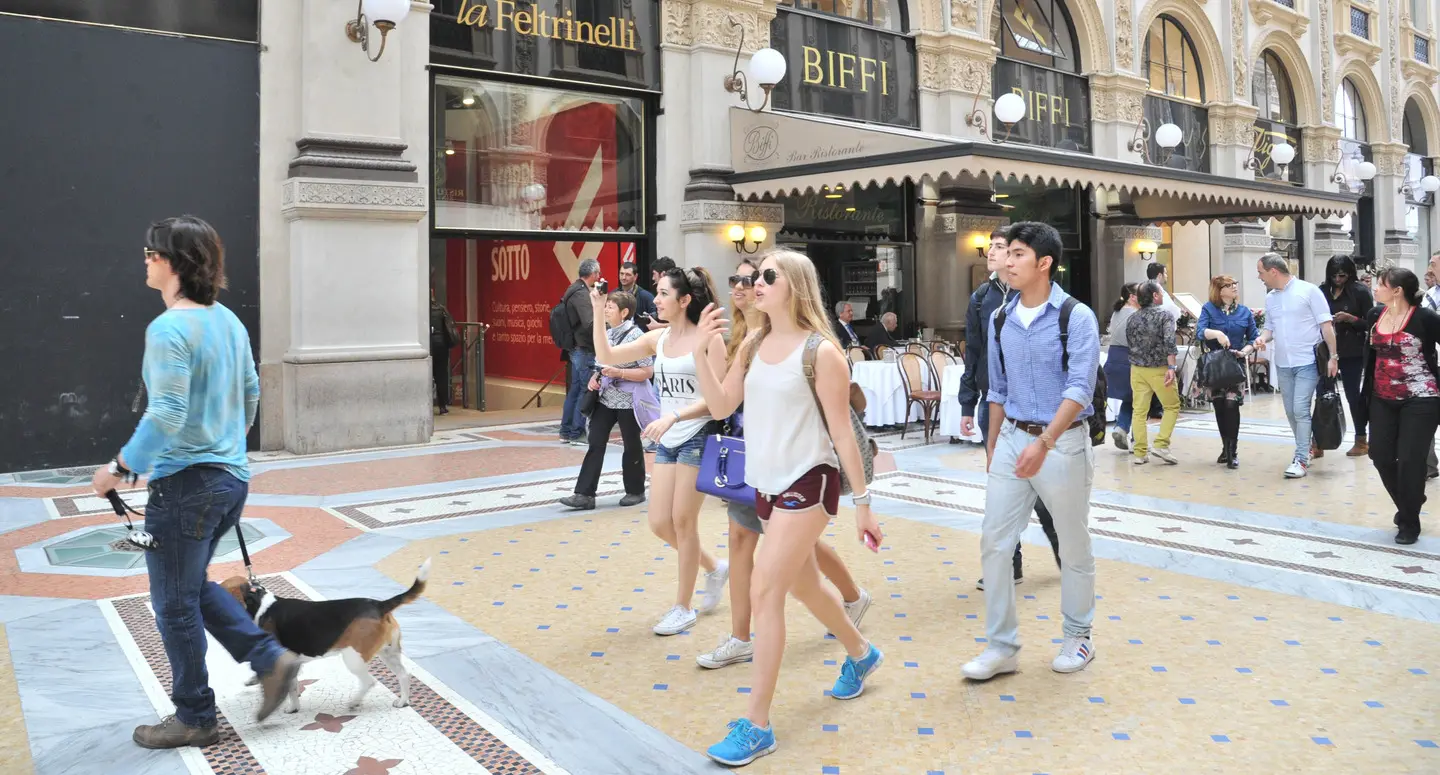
x=1063, y=481
x=582, y=365
x=188, y=513
x=1297, y=390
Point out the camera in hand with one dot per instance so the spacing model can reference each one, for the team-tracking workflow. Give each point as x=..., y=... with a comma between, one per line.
x=602, y=286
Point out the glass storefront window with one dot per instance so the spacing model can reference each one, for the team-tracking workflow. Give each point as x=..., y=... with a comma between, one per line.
x=1270, y=90
x=1417, y=224
x=1170, y=62
x=1349, y=114
x=1037, y=32
x=527, y=158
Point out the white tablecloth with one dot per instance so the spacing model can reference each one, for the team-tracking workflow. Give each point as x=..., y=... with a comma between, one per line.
x=884, y=393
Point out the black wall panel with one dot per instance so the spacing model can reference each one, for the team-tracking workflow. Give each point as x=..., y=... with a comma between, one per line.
x=103, y=131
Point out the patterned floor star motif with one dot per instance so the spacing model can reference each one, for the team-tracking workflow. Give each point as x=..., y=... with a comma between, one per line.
x=1410, y=569
x=366, y=765
x=327, y=722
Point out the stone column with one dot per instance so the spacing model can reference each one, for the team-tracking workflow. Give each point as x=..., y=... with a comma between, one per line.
x=1232, y=139
x=1397, y=247
x=1117, y=105
x=955, y=80
x=345, y=359
x=1245, y=243
x=697, y=53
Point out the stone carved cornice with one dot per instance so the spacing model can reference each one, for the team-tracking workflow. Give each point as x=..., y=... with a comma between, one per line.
x=1124, y=36
x=1389, y=158
x=954, y=62
x=1292, y=19
x=713, y=212
x=1117, y=97
x=1322, y=143
x=1327, y=62
x=1127, y=233
x=344, y=199
x=964, y=14
x=1232, y=124
x=706, y=23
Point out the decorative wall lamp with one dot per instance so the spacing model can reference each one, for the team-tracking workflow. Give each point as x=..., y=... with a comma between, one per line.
x=1168, y=136
x=767, y=67
x=1428, y=184
x=1009, y=110
x=384, y=14
x=1281, y=153
x=1146, y=248
x=736, y=234
x=980, y=242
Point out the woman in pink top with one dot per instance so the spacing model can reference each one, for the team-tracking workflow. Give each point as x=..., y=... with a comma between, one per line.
x=1403, y=383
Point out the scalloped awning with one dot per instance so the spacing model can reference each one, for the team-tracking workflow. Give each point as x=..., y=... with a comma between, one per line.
x=777, y=154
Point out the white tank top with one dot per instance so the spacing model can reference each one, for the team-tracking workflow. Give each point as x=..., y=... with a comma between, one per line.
x=679, y=387
x=785, y=433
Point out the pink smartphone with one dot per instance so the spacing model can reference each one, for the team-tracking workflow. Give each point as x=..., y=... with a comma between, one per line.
x=871, y=542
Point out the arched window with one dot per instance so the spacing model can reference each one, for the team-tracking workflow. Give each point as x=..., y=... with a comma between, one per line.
x=885, y=14
x=1037, y=32
x=1349, y=114
x=1171, y=63
x=1270, y=90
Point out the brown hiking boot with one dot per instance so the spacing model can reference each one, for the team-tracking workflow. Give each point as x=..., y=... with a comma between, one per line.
x=171, y=733
x=1361, y=448
x=278, y=683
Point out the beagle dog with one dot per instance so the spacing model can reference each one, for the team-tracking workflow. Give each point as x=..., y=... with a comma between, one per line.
x=359, y=629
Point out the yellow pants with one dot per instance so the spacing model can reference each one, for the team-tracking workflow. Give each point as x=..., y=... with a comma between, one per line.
x=1144, y=382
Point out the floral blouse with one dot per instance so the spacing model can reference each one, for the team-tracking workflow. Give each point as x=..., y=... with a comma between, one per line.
x=1151, y=333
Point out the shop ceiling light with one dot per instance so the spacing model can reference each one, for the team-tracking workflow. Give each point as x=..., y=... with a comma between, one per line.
x=468, y=99
x=767, y=68
x=384, y=14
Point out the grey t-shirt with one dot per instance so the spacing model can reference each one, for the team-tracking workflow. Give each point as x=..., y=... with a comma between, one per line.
x=1117, y=326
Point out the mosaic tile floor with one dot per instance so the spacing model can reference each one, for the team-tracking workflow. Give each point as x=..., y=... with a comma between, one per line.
x=1244, y=624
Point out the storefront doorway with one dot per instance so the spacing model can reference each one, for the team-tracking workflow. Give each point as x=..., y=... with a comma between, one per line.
x=1068, y=210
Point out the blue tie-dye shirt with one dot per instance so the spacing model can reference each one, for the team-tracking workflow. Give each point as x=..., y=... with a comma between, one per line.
x=203, y=394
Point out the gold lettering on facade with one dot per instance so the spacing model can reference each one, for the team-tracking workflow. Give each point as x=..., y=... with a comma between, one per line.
x=532, y=20
x=844, y=71
x=1055, y=106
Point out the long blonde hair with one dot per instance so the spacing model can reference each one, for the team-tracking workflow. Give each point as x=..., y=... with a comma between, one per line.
x=807, y=307
x=739, y=319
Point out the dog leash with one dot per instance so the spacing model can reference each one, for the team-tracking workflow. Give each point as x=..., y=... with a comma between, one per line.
x=144, y=540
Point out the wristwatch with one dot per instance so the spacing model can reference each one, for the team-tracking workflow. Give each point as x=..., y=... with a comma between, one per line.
x=1047, y=440
x=862, y=499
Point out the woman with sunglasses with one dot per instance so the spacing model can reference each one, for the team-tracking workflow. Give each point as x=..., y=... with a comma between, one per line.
x=1226, y=324
x=1403, y=381
x=745, y=524
x=1117, y=364
x=798, y=439
x=681, y=295
x=1350, y=301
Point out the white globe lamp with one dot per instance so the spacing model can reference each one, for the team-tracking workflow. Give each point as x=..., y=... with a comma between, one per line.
x=767, y=68
x=1282, y=153
x=1430, y=184
x=1168, y=136
x=1010, y=108
x=384, y=15
x=1365, y=170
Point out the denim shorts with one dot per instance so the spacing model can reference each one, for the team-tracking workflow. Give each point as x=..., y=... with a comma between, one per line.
x=687, y=454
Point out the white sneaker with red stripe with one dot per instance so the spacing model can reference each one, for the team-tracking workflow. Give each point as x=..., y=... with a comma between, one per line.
x=1075, y=654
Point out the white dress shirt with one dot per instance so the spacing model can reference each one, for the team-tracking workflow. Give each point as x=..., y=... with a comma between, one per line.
x=1293, y=316
x=1431, y=299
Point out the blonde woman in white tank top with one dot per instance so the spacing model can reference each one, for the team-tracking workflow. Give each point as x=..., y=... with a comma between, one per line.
x=674, y=513
x=791, y=461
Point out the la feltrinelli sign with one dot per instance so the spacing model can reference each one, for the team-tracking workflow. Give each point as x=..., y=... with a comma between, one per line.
x=531, y=19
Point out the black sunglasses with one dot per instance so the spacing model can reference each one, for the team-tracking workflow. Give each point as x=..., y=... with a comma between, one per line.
x=744, y=280
x=770, y=276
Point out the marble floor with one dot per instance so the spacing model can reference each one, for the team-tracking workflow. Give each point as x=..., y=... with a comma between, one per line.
x=1244, y=623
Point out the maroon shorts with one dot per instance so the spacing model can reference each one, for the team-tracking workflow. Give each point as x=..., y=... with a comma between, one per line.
x=820, y=486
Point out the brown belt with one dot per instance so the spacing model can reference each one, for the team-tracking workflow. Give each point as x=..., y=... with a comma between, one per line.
x=1035, y=429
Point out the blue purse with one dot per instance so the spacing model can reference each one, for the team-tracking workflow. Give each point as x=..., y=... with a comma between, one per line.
x=722, y=465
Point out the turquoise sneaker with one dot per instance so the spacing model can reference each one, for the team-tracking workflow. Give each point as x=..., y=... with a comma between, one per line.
x=851, y=683
x=745, y=743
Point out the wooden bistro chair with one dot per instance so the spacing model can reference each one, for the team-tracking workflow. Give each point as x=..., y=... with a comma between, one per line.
x=918, y=348
x=857, y=355
x=913, y=369
x=939, y=359
x=881, y=350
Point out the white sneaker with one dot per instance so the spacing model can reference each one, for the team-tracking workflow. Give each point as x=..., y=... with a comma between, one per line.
x=714, y=587
x=1164, y=454
x=980, y=583
x=730, y=651
x=1140, y=461
x=856, y=610
x=1121, y=440
x=989, y=664
x=1075, y=654
x=675, y=621
x=1296, y=470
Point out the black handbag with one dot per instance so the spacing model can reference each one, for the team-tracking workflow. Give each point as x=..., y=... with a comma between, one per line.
x=1327, y=418
x=1221, y=370
x=588, y=401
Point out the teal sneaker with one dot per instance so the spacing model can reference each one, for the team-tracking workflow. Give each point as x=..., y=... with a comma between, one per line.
x=851, y=683
x=745, y=743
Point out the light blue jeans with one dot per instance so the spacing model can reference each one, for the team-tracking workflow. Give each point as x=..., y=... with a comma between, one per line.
x=1063, y=483
x=1297, y=390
